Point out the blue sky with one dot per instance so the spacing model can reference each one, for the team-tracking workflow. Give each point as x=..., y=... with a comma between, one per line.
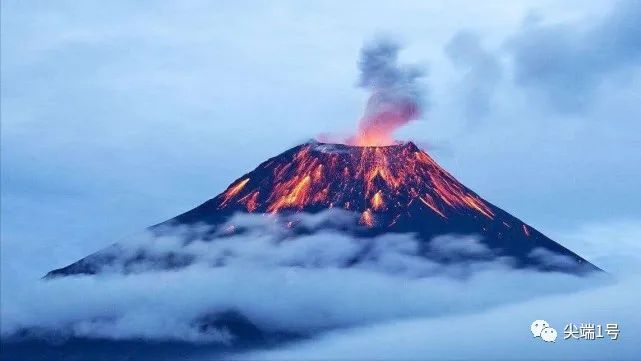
x=118, y=115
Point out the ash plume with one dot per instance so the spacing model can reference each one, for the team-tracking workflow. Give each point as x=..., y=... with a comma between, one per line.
x=396, y=93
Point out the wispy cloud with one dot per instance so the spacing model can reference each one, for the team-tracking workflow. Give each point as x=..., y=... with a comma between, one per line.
x=566, y=62
x=481, y=72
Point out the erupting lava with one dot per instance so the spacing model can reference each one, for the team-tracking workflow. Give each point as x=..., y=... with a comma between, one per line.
x=368, y=180
x=377, y=130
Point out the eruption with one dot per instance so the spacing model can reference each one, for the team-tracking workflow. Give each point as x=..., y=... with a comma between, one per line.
x=386, y=189
x=396, y=96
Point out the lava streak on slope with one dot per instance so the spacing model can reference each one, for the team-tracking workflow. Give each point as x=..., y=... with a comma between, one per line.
x=368, y=180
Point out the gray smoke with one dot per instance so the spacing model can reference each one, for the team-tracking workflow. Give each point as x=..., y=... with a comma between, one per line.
x=397, y=96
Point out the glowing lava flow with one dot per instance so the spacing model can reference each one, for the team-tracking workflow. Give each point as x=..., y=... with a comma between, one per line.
x=233, y=190
x=369, y=180
x=367, y=218
x=297, y=196
x=377, y=200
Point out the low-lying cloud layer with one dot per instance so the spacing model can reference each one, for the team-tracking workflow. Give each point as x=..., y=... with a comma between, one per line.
x=169, y=305
x=307, y=241
x=281, y=284
x=501, y=333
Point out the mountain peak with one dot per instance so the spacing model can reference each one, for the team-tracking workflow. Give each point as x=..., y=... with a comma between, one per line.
x=346, y=147
x=315, y=176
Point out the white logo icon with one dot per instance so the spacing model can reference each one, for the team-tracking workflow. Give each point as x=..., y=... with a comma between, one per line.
x=541, y=328
x=548, y=334
x=538, y=326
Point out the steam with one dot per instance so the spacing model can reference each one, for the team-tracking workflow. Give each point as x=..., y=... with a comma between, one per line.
x=396, y=95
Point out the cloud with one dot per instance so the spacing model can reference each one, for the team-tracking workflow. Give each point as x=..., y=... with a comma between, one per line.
x=300, y=240
x=482, y=72
x=169, y=305
x=279, y=281
x=551, y=259
x=459, y=246
x=566, y=62
x=501, y=333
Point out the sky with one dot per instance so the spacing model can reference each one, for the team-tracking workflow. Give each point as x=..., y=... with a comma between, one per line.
x=119, y=115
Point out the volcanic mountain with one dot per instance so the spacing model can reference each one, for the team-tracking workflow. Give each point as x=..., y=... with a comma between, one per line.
x=392, y=189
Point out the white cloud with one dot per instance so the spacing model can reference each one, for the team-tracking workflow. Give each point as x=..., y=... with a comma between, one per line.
x=167, y=305
x=303, y=284
x=498, y=334
x=459, y=246
x=502, y=332
x=552, y=259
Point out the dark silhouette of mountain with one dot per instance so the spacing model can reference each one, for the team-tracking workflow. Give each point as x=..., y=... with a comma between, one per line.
x=397, y=189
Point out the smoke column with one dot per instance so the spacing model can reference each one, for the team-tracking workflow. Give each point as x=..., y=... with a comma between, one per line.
x=396, y=96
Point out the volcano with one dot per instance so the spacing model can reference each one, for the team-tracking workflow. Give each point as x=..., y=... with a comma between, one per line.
x=392, y=189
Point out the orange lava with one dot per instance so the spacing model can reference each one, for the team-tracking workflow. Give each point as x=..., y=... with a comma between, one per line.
x=297, y=196
x=430, y=203
x=367, y=218
x=250, y=201
x=372, y=139
x=377, y=200
x=234, y=190
x=368, y=180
